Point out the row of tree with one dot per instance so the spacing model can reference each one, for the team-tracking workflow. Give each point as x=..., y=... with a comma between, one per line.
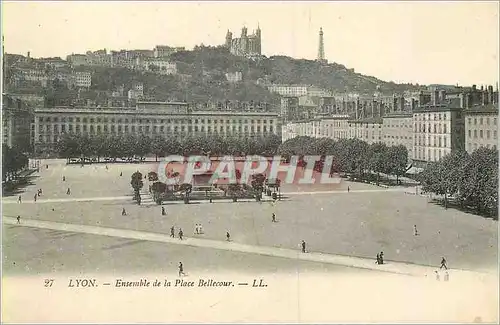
x=75, y=146
x=13, y=161
x=351, y=156
x=470, y=179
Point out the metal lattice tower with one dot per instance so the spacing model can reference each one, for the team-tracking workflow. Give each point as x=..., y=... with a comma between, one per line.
x=321, y=49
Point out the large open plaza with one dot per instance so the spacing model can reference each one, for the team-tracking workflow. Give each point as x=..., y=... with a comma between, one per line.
x=85, y=233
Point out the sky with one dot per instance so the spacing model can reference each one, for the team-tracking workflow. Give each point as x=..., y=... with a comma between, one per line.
x=418, y=42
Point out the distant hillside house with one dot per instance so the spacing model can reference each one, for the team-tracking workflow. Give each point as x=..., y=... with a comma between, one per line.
x=77, y=59
x=82, y=79
x=234, y=77
x=163, y=51
x=158, y=65
x=289, y=90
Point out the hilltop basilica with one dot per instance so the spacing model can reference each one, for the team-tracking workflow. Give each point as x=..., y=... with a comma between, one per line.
x=246, y=45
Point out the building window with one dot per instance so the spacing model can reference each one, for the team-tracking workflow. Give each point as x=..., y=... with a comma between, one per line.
x=487, y=121
x=470, y=133
x=481, y=134
x=481, y=121
x=444, y=129
x=475, y=134
x=495, y=134
x=488, y=134
x=475, y=121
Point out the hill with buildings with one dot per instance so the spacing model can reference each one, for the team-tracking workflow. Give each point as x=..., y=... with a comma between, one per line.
x=204, y=74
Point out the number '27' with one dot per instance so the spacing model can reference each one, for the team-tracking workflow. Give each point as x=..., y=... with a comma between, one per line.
x=49, y=282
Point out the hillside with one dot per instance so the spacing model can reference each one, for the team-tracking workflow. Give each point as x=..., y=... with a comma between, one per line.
x=285, y=70
x=201, y=78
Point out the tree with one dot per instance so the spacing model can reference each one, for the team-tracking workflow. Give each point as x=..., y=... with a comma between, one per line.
x=153, y=176
x=137, y=185
x=397, y=161
x=13, y=160
x=480, y=186
x=258, y=181
x=158, y=147
x=377, y=159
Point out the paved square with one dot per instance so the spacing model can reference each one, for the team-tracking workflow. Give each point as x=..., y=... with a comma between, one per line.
x=362, y=223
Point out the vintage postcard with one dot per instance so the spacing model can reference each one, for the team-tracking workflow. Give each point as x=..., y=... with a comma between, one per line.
x=250, y=162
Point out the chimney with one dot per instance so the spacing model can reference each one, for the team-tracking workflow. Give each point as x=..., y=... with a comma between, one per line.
x=421, y=98
x=484, y=96
x=462, y=100
x=442, y=96
x=473, y=87
x=490, y=95
x=435, y=97
x=394, y=103
x=401, y=104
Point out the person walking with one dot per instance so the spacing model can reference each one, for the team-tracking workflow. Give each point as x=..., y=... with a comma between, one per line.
x=415, y=231
x=35, y=196
x=381, y=256
x=348, y=189
x=437, y=276
x=200, y=229
x=124, y=213
x=121, y=173
x=172, y=232
x=228, y=236
x=303, y=245
x=273, y=217
x=196, y=229
x=19, y=199
x=181, y=233
x=68, y=192
x=181, y=269
x=18, y=220
x=443, y=264
x=163, y=212
x=64, y=178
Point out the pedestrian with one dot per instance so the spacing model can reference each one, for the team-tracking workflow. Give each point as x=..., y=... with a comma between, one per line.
x=228, y=236
x=443, y=264
x=34, y=197
x=437, y=276
x=39, y=192
x=348, y=189
x=181, y=234
x=181, y=269
x=64, y=178
x=106, y=167
x=303, y=245
x=121, y=173
x=46, y=166
x=200, y=229
x=19, y=200
x=274, y=217
x=196, y=229
x=210, y=200
x=124, y=213
x=163, y=212
x=446, y=276
x=381, y=257
x=18, y=219
x=172, y=232
x=378, y=258
x=68, y=192
x=415, y=231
